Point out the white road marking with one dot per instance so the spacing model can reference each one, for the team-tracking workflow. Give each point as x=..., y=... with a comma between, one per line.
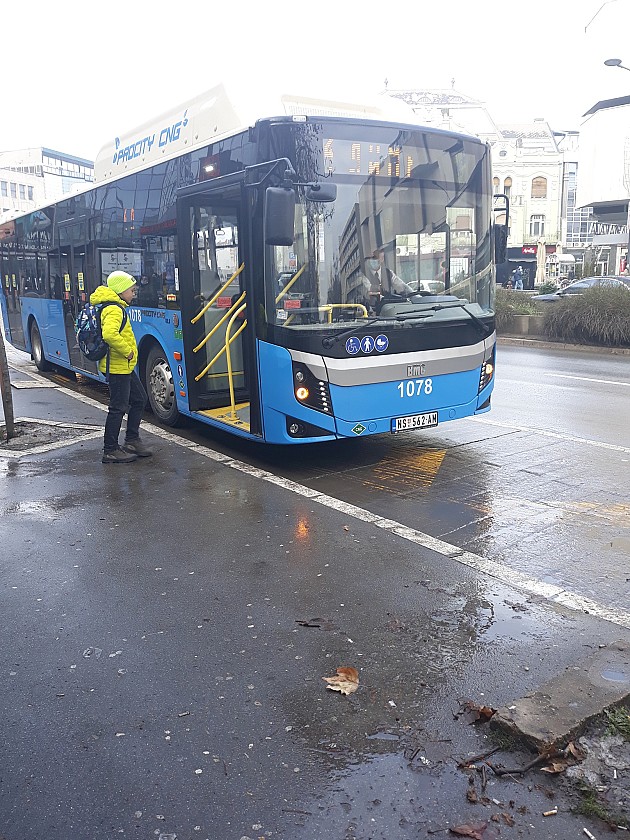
x=546, y=433
x=588, y=379
x=499, y=571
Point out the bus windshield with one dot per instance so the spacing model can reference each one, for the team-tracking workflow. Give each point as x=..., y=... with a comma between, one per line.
x=410, y=226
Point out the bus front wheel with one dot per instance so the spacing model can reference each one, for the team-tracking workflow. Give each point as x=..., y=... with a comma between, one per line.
x=37, y=349
x=161, y=387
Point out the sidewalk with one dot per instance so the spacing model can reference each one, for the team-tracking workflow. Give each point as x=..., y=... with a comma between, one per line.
x=544, y=344
x=166, y=627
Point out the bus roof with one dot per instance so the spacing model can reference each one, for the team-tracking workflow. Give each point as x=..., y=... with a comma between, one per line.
x=219, y=113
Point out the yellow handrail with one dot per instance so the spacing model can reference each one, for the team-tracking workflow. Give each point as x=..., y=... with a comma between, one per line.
x=218, y=323
x=228, y=355
x=331, y=306
x=220, y=353
x=328, y=307
x=288, y=286
x=222, y=289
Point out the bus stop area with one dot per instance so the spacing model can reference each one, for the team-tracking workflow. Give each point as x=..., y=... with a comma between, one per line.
x=167, y=626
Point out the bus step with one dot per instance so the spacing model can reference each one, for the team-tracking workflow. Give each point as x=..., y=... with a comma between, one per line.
x=224, y=415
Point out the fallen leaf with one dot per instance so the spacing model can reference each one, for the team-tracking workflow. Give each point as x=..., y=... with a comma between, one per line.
x=576, y=752
x=346, y=681
x=474, y=831
x=555, y=767
x=475, y=713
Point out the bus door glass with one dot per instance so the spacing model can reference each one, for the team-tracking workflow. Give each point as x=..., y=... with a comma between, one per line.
x=213, y=305
x=11, y=283
x=17, y=283
x=72, y=271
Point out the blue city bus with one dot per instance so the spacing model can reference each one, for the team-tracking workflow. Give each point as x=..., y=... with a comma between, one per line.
x=325, y=272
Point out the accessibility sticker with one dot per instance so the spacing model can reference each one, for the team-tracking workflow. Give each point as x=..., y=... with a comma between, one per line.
x=381, y=343
x=353, y=345
x=367, y=344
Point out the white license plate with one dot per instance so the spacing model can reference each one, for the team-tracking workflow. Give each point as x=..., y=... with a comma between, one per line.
x=415, y=421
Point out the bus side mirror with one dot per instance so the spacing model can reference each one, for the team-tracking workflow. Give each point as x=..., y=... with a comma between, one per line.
x=500, y=244
x=279, y=216
x=325, y=192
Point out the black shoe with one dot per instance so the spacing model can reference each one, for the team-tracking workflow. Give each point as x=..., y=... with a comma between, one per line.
x=136, y=447
x=118, y=456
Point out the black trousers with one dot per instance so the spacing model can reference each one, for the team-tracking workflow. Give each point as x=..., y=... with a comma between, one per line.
x=126, y=396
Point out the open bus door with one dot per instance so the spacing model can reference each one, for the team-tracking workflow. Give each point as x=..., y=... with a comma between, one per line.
x=217, y=322
x=12, y=283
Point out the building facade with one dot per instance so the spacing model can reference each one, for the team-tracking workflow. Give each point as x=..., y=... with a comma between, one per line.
x=605, y=183
x=31, y=177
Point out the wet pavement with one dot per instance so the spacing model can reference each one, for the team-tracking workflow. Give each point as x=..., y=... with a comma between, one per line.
x=159, y=679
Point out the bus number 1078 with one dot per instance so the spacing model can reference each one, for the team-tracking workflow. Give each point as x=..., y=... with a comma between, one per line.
x=415, y=387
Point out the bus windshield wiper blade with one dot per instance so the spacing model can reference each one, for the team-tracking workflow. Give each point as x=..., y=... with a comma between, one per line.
x=485, y=330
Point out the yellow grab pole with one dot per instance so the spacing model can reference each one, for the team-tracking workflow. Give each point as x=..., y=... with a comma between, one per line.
x=288, y=286
x=222, y=289
x=218, y=324
x=220, y=353
x=228, y=356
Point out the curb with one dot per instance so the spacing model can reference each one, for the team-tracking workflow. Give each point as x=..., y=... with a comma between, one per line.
x=543, y=344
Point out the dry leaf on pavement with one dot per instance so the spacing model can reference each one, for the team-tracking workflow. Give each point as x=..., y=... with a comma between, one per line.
x=474, y=831
x=346, y=681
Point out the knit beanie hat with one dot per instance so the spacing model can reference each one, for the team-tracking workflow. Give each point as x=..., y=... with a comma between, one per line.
x=120, y=281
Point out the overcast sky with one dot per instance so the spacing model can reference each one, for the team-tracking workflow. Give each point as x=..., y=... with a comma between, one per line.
x=77, y=74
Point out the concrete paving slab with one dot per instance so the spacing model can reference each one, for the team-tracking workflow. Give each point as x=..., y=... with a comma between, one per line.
x=560, y=709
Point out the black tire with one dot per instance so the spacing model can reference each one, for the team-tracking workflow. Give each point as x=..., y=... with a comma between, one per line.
x=37, y=349
x=161, y=387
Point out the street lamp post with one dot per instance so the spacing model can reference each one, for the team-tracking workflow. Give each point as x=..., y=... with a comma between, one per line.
x=616, y=62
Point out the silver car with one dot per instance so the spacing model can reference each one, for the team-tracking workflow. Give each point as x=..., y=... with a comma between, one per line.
x=580, y=286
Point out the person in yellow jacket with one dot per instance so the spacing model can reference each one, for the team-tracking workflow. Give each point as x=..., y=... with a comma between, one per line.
x=126, y=392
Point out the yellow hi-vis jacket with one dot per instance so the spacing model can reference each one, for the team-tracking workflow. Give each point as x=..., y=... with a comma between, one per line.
x=121, y=342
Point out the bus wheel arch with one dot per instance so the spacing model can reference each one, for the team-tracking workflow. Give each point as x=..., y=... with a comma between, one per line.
x=160, y=383
x=37, y=346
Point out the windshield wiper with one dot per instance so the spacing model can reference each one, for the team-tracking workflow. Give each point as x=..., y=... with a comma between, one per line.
x=330, y=341
x=485, y=329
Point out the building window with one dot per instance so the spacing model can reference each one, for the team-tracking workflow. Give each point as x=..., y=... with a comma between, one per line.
x=4, y=188
x=539, y=188
x=537, y=225
x=30, y=193
x=495, y=185
x=13, y=190
x=507, y=186
x=22, y=192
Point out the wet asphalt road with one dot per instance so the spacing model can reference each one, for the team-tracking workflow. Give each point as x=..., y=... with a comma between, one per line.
x=150, y=620
x=540, y=484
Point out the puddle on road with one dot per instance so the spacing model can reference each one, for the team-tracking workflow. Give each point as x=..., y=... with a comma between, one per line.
x=44, y=510
x=616, y=676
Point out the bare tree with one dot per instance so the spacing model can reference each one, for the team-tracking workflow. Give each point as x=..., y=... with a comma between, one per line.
x=5, y=388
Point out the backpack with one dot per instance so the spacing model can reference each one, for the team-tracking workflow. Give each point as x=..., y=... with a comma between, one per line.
x=88, y=330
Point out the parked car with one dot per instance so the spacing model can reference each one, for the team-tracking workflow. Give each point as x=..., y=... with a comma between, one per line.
x=580, y=286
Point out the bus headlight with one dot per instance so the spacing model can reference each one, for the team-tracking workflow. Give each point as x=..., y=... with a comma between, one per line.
x=309, y=390
x=487, y=372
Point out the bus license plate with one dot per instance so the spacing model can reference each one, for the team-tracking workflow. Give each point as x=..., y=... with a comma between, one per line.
x=415, y=421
